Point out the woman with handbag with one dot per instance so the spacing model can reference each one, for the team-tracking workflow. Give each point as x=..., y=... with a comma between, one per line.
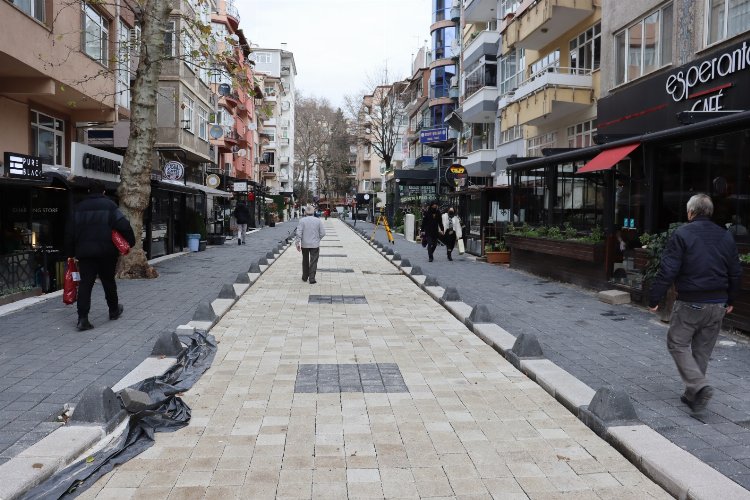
x=453, y=233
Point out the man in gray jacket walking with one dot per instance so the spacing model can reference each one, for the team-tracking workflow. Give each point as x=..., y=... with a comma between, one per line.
x=309, y=233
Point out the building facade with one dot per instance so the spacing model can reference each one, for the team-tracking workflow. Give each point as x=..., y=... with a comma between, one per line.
x=278, y=71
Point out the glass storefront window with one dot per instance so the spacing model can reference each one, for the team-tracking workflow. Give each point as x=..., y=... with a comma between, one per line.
x=710, y=165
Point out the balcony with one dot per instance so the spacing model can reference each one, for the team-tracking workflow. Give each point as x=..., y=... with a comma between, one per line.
x=284, y=160
x=269, y=171
x=481, y=107
x=533, y=27
x=477, y=11
x=284, y=141
x=486, y=43
x=233, y=13
x=269, y=122
x=548, y=96
x=480, y=163
x=270, y=97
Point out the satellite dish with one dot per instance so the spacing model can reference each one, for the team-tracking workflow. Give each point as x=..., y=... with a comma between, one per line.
x=216, y=132
x=242, y=153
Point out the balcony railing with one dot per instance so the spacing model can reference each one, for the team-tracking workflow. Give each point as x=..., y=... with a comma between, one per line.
x=554, y=75
x=232, y=10
x=484, y=75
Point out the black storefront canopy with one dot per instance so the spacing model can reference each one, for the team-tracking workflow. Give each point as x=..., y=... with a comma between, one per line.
x=710, y=127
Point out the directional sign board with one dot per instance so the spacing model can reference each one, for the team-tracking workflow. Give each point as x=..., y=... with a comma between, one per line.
x=432, y=135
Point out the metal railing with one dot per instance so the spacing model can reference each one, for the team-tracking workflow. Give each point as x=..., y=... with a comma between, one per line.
x=16, y=272
x=232, y=10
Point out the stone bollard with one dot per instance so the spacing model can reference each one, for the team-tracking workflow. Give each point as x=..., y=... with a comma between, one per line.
x=167, y=344
x=609, y=407
x=526, y=346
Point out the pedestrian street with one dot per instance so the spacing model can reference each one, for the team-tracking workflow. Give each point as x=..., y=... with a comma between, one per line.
x=361, y=385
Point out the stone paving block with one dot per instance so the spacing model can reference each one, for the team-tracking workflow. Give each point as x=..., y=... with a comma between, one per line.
x=614, y=297
x=494, y=336
x=566, y=388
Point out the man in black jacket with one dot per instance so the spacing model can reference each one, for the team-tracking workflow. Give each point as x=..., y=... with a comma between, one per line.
x=701, y=260
x=88, y=238
x=432, y=226
x=242, y=216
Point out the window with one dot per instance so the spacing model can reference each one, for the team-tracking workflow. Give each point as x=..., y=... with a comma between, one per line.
x=285, y=132
x=124, y=51
x=581, y=135
x=188, y=105
x=95, y=35
x=536, y=144
x=585, y=50
x=512, y=134
x=644, y=46
x=170, y=39
x=508, y=7
x=727, y=18
x=511, y=67
x=203, y=123
x=269, y=91
x=270, y=133
x=48, y=138
x=262, y=57
x=34, y=8
x=188, y=45
x=551, y=60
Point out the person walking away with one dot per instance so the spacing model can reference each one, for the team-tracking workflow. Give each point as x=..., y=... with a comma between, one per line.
x=452, y=225
x=309, y=233
x=88, y=238
x=701, y=260
x=242, y=216
x=432, y=226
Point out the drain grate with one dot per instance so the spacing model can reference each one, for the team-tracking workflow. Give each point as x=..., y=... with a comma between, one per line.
x=333, y=255
x=331, y=246
x=335, y=270
x=337, y=299
x=365, y=377
x=379, y=273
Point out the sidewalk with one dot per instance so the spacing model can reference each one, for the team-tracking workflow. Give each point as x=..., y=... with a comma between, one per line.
x=46, y=363
x=622, y=346
x=363, y=386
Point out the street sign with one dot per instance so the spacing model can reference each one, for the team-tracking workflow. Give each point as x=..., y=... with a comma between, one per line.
x=431, y=135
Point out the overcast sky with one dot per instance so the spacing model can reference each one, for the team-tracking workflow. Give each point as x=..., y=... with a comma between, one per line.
x=338, y=43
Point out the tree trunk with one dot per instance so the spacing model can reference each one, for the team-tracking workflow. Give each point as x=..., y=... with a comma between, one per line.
x=135, y=184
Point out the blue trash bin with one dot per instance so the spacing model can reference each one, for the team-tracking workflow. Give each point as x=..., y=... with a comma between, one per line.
x=193, y=241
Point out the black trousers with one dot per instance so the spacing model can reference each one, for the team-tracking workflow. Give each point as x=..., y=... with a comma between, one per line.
x=310, y=262
x=103, y=267
x=432, y=242
x=450, y=240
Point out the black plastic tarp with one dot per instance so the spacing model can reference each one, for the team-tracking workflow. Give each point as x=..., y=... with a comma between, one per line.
x=168, y=413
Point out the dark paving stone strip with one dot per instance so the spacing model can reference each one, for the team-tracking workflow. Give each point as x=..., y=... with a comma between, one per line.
x=335, y=270
x=348, y=377
x=333, y=255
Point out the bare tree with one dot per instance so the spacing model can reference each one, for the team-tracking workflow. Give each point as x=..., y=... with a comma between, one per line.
x=311, y=137
x=379, y=117
x=151, y=17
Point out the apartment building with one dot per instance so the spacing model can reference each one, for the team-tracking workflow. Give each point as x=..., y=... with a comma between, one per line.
x=58, y=84
x=278, y=71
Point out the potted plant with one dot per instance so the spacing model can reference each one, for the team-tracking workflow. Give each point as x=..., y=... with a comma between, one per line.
x=654, y=244
x=497, y=252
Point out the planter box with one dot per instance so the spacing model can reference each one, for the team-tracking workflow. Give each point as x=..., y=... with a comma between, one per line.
x=577, y=250
x=216, y=239
x=640, y=258
x=498, y=257
x=202, y=245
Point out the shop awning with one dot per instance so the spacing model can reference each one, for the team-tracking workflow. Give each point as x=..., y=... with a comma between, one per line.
x=608, y=158
x=208, y=190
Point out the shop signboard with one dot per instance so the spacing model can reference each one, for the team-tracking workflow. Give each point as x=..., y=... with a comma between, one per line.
x=715, y=83
x=174, y=171
x=94, y=163
x=213, y=181
x=239, y=186
x=23, y=166
x=433, y=135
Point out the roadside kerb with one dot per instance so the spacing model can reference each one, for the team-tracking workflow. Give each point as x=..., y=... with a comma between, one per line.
x=676, y=470
x=68, y=444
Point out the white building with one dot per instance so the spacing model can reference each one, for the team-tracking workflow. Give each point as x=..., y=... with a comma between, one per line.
x=279, y=67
